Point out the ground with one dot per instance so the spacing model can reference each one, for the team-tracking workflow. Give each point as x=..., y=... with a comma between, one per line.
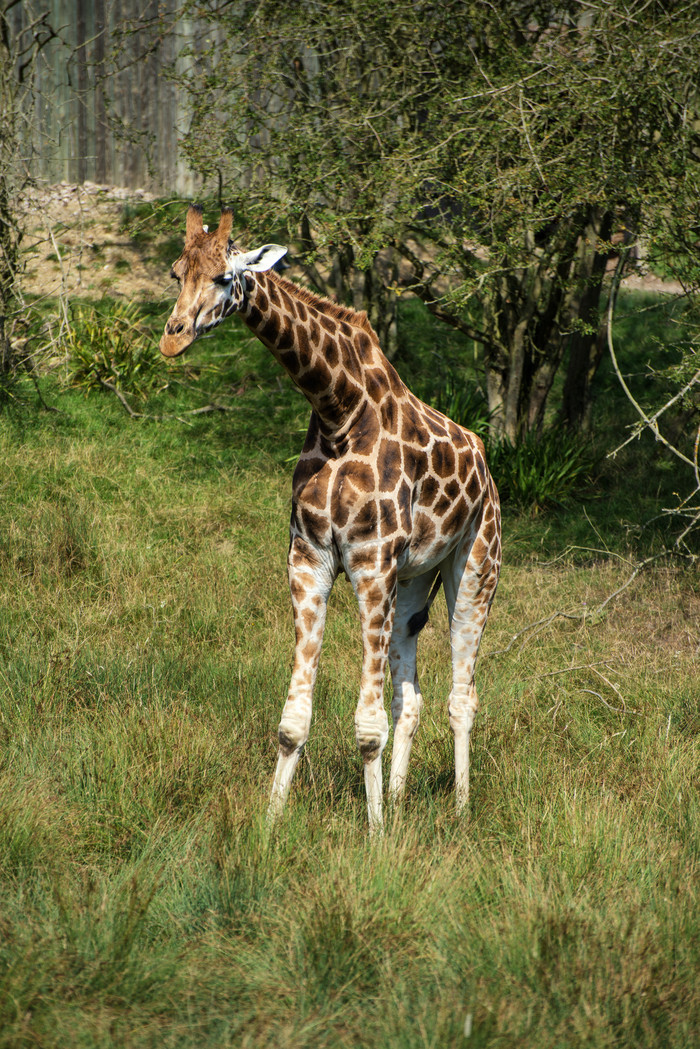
x=79, y=240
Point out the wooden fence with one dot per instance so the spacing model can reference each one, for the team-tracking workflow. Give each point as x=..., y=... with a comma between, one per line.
x=105, y=108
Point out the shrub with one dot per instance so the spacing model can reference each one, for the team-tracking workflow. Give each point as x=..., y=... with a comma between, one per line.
x=463, y=404
x=541, y=470
x=111, y=347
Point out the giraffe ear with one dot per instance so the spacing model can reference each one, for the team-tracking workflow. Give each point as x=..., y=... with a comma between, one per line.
x=261, y=259
x=194, y=221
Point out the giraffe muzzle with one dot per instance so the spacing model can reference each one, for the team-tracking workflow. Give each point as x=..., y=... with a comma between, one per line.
x=176, y=338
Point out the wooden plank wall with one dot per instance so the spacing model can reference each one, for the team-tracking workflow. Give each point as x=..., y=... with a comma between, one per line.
x=105, y=109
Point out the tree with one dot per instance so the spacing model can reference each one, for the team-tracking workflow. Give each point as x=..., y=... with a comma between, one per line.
x=21, y=41
x=486, y=157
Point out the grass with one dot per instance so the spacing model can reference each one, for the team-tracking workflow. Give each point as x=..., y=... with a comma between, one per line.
x=145, y=646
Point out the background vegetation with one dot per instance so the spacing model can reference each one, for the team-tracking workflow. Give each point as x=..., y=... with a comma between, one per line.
x=145, y=645
x=488, y=159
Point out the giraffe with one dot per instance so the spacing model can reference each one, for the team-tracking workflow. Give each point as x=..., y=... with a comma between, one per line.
x=386, y=489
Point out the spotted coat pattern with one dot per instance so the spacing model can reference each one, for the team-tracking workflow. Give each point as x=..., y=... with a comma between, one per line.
x=386, y=490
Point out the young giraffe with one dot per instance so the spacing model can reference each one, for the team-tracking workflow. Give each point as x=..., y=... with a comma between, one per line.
x=387, y=490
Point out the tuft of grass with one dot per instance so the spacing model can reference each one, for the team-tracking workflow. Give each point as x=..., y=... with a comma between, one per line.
x=542, y=470
x=111, y=347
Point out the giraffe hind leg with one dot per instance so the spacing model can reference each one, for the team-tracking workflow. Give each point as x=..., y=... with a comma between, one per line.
x=469, y=590
x=419, y=619
x=407, y=699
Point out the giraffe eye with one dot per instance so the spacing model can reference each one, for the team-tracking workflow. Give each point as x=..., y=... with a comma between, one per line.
x=224, y=280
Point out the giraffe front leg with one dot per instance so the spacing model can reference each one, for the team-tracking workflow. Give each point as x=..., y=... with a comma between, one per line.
x=377, y=598
x=310, y=585
x=407, y=699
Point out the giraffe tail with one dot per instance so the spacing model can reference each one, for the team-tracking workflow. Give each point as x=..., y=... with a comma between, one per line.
x=420, y=618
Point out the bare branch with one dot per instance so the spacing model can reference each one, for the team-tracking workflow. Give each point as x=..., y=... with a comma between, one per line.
x=585, y=615
x=616, y=710
x=649, y=421
x=120, y=396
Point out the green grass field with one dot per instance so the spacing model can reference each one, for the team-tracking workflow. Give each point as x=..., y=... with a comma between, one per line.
x=145, y=646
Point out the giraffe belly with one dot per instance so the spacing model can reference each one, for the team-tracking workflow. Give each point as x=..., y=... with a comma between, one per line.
x=420, y=558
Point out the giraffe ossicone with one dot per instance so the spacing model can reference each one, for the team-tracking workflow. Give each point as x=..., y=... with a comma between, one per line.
x=386, y=489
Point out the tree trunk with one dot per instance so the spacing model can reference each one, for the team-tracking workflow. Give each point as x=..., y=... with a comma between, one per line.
x=539, y=391
x=527, y=316
x=586, y=345
x=514, y=386
x=496, y=374
x=380, y=304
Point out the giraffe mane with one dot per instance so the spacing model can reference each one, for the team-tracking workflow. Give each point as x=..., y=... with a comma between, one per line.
x=358, y=318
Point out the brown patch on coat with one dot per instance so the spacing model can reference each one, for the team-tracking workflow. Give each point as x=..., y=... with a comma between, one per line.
x=429, y=489
x=473, y=486
x=413, y=428
x=365, y=433
x=364, y=524
x=388, y=522
x=308, y=467
x=415, y=462
x=317, y=378
x=389, y=464
x=361, y=476
x=330, y=351
x=376, y=384
x=456, y=518
x=443, y=459
x=315, y=526
x=403, y=500
x=389, y=413
x=423, y=531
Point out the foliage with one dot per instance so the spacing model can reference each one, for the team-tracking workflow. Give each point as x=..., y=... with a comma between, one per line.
x=465, y=404
x=111, y=346
x=156, y=225
x=540, y=470
x=683, y=446
x=472, y=153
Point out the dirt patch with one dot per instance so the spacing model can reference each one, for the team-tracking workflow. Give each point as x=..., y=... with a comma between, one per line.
x=641, y=281
x=78, y=242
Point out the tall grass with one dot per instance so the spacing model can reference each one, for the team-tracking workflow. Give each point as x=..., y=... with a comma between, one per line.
x=145, y=646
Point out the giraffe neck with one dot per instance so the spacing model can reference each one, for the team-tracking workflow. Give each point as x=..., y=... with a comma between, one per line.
x=325, y=348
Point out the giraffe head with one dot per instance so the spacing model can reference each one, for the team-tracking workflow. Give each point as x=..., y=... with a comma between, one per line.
x=213, y=276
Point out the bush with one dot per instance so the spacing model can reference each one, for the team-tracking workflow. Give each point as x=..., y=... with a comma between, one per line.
x=541, y=470
x=463, y=404
x=112, y=348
